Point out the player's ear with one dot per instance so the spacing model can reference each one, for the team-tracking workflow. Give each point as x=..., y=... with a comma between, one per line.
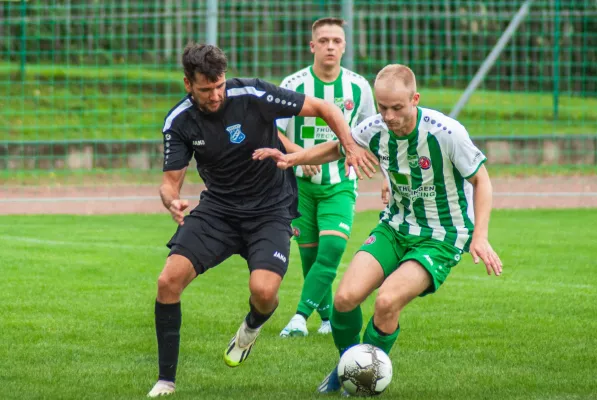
x=416, y=98
x=187, y=84
x=312, y=46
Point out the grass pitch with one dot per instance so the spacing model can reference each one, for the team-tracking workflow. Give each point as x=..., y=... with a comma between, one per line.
x=77, y=295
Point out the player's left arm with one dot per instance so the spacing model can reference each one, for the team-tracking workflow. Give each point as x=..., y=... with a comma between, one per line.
x=289, y=145
x=320, y=154
x=308, y=170
x=356, y=156
x=469, y=161
x=324, y=152
x=275, y=102
x=482, y=201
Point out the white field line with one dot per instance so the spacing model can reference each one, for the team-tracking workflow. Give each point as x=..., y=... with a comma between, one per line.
x=46, y=242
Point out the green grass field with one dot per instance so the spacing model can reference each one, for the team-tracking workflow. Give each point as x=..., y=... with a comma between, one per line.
x=77, y=294
x=59, y=102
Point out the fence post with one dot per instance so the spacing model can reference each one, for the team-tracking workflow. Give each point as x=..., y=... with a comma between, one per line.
x=23, y=39
x=556, y=61
x=212, y=22
x=348, y=16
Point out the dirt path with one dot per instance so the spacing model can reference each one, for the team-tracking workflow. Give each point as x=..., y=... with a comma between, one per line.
x=543, y=192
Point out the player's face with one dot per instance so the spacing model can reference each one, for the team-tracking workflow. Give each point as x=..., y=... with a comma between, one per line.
x=328, y=45
x=209, y=95
x=397, y=105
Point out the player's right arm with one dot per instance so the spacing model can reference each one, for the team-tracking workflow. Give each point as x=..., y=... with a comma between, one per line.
x=177, y=154
x=170, y=194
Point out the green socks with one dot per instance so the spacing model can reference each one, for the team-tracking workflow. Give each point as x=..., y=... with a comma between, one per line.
x=379, y=339
x=325, y=307
x=346, y=328
x=308, y=256
x=318, y=280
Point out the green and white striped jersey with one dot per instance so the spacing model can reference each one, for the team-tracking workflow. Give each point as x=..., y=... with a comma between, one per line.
x=351, y=92
x=427, y=171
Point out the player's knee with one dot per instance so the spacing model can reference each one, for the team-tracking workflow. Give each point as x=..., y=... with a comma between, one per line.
x=344, y=301
x=169, y=285
x=332, y=247
x=386, y=305
x=264, y=294
x=329, y=256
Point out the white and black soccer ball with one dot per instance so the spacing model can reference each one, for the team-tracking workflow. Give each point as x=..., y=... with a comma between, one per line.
x=365, y=370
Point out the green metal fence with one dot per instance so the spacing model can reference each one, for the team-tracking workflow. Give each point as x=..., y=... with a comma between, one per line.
x=77, y=71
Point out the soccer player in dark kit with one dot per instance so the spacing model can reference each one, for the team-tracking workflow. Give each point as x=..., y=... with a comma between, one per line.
x=248, y=205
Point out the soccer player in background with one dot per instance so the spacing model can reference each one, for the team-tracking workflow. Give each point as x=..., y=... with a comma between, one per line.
x=439, y=207
x=248, y=206
x=326, y=194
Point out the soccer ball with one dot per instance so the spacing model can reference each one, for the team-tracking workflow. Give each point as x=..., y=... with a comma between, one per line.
x=365, y=370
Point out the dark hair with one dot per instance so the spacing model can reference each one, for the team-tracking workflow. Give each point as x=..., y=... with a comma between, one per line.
x=327, y=21
x=205, y=59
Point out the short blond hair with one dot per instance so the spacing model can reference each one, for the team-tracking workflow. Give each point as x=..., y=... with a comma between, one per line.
x=398, y=72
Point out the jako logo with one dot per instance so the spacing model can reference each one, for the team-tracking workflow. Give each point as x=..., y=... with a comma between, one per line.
x=344, y=226
x=198, y=142
x=236, y=135
x=280, y=256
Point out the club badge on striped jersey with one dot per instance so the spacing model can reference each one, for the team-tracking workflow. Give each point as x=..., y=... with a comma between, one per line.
x=344, y=104
x=424, y=162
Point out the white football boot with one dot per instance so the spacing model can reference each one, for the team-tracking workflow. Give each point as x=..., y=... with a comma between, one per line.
x=325, y=328
x=240, y=345
x=296, y=327
x=162, y=388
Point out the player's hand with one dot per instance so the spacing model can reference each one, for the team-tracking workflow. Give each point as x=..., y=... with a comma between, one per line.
x=177, y=208
x=481, y=249
x=282, y=160
x=385, y=192
x=311, y=170
x=360, y=159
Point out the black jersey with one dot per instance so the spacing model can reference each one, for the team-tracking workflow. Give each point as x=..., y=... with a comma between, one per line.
x=223, y=144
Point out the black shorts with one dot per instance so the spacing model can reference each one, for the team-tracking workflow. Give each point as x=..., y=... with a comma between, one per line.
x=207, y=240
